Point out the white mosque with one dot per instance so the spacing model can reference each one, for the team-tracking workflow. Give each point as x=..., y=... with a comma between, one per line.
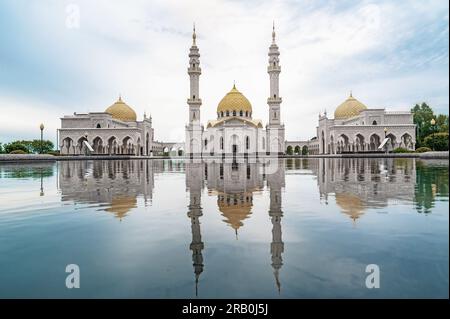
x=235, y=133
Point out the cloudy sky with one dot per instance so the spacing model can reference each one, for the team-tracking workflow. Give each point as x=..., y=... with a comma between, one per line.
x=391, y=54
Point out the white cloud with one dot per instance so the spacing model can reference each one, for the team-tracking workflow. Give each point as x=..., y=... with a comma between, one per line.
x=140, y=48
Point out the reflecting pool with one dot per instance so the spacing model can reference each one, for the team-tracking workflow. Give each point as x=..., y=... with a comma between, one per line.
x=293, y=228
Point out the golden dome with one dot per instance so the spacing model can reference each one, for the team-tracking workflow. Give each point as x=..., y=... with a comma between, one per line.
x=236, y=210
x=121, y=111
x=121, y=205
x=350, y=204
x=351, y=107
x=234, y=101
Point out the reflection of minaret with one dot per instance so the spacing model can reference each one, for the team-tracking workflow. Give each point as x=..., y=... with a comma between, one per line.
x=194, y=182
x=276, y=182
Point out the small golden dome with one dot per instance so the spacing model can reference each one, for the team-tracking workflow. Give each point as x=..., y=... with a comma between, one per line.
x=121, y=111
x=351, y=107
x=234, y=101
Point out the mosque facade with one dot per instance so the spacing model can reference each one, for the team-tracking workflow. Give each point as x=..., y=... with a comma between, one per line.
x=116, y=131
x=234, y=132
x=358, y=129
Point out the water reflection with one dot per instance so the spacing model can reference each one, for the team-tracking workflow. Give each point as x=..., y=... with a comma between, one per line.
x=354, y=186
x=234, y=184
x=359, y=184
x=115, y=185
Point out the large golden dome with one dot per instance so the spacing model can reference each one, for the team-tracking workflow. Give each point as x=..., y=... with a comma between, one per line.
x=121, y=205
x=235, y=208
x=234, y=101
x=351, y=107
x=121, y=111
x=350, y=204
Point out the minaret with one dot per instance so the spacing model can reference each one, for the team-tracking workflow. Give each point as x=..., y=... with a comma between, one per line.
x=275, y=128
x=275, y=182
x=194, y=182
x=194, y=129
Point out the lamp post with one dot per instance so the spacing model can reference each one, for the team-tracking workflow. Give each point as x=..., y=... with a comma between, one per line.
x=433, y=126
x=41, y=127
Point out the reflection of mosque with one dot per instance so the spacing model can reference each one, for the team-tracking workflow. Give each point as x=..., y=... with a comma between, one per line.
x=356, y=183
x=361, y=183
x=234, y=184
x=115, y=184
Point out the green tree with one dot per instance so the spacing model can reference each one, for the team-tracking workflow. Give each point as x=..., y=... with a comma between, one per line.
x=437, y=141
x=305, y=150
x=431, y=182
x=442, y=123
x=1, y=148
x=422, y=116
x=289, y=150
x=35, y=146
x=16, y=145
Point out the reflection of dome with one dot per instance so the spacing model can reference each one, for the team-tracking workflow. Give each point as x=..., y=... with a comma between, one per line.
x=350, y=205
x=235, y=208
x=121, y=111
x=351, y=107
x=120, y=206
x=234, y=101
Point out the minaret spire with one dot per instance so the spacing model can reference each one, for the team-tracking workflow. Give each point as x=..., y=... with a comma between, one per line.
x=194, y=128
x=194, y=35
x=273, y=32
x=275, y=129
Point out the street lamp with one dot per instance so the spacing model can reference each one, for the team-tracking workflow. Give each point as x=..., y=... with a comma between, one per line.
x=433, y=125
x=41, y=127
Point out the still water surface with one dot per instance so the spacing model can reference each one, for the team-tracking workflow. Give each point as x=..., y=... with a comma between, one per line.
x=297, y=228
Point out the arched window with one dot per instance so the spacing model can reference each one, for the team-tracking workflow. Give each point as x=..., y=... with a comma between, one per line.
x=241, y=113
x=206, y=142
x=374, y=123
x=193, y=96
x=228, y=113
x=221, y=114
x=247, y=142
x=234, y=113
x=221, y=143
x=274, y=63
x=99, y=126
x=275, y=96
x=246, y=113
x=193, y=65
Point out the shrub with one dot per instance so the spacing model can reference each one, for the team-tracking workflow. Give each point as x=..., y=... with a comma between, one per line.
x=423, y=149
x=54, y=153
x=401, y=150
x=18, y=152
x=437, y=141
x=15, y=146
